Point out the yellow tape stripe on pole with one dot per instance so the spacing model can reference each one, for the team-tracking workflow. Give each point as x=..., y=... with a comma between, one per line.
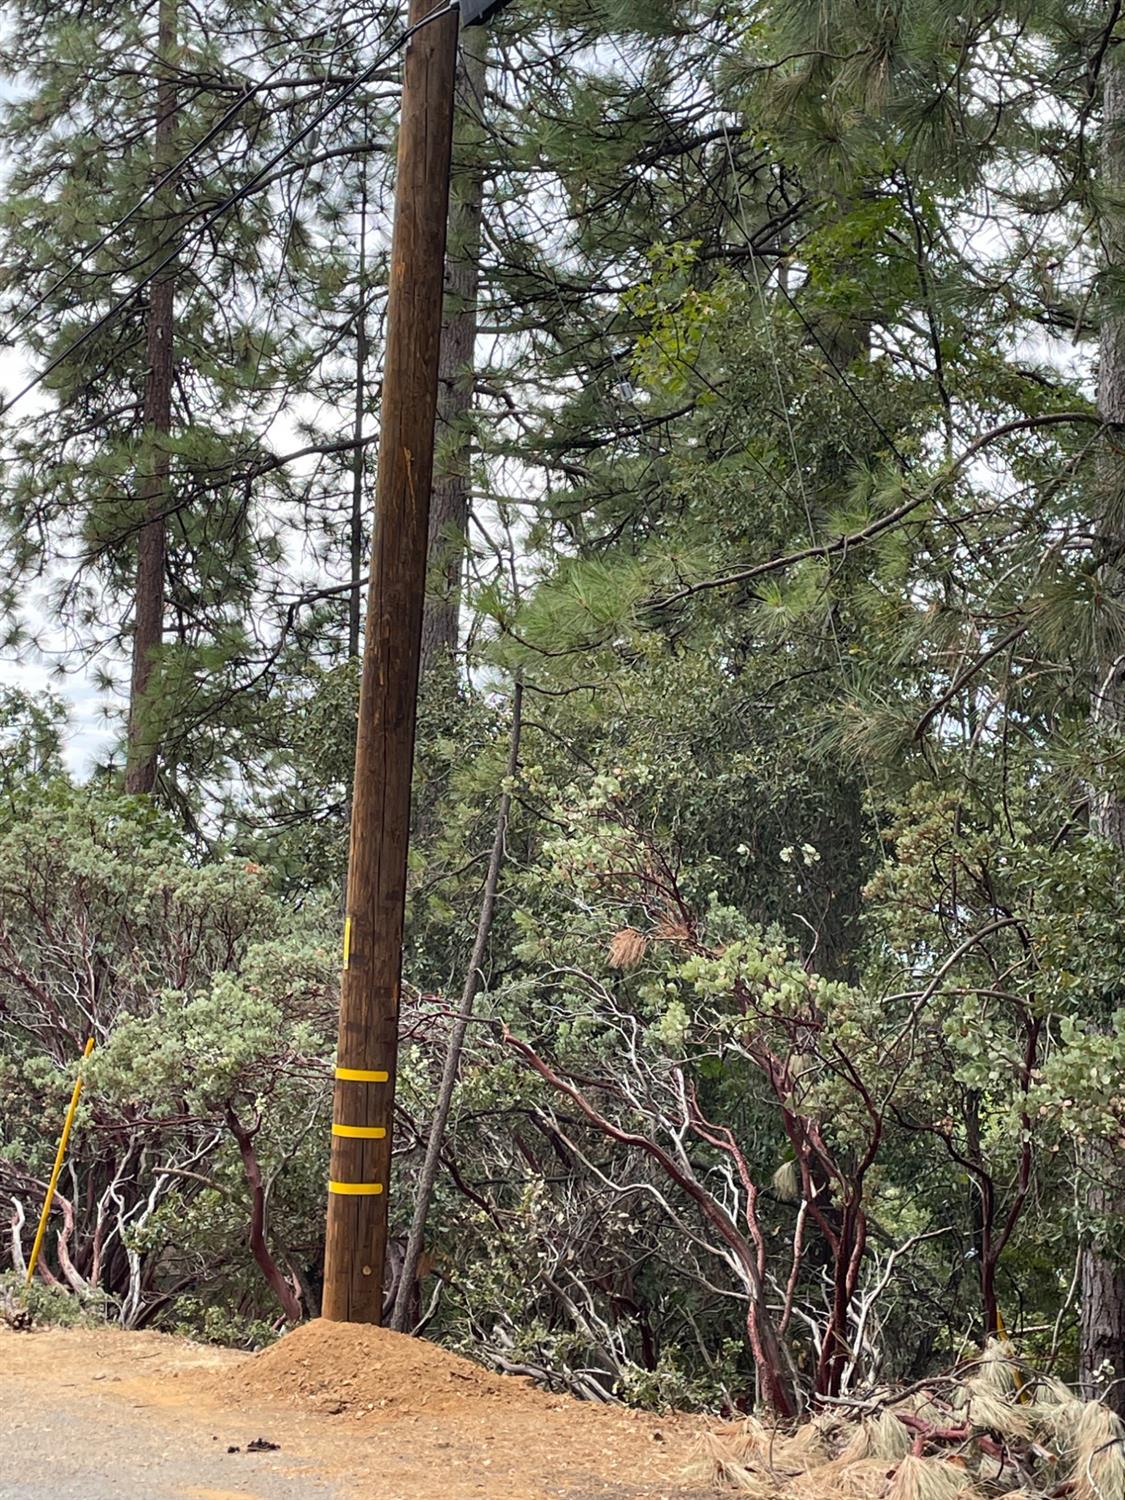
x=362, y=1075
x=360, y=1132
x=60, y=1155
x=356, y=1189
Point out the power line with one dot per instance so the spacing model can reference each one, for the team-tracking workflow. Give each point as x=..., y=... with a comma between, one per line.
x=228, y=203
x=293, y=210
x=115, y=229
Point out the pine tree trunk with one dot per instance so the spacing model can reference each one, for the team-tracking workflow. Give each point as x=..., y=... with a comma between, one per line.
x=449, y=507
x=1103, y=1286
x=148, y=605
x=1102, y=1348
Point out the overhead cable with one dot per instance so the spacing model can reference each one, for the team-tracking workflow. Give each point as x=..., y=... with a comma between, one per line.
x=227, y=204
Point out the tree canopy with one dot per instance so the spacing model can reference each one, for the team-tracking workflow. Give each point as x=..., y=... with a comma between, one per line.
x=781, y=489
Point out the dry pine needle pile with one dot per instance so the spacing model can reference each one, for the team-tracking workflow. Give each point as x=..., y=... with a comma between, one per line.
x=1000, y=1433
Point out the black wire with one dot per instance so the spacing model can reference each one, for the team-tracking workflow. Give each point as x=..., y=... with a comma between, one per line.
x=235, y=198
x=114, y=229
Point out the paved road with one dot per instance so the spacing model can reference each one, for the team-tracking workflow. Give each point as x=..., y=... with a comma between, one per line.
x=97, y=1449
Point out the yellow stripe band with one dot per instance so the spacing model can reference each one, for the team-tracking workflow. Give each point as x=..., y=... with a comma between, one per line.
x=356, y=1189
x=362, y=1075
x=360, y=1132
x=347, y=940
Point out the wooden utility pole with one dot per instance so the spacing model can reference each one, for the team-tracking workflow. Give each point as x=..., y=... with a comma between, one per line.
x=148, y=606
x=355, y=538
x=368, y=1040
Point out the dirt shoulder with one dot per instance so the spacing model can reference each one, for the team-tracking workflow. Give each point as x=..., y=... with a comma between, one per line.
x=354, y=1412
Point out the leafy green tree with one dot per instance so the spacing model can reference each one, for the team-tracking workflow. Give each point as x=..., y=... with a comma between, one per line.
x=202, y=1127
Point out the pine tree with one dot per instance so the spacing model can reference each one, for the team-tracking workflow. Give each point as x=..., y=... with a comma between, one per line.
x=158, y=479
x=1103, y=1260
x=449, y=503
x=156, y=418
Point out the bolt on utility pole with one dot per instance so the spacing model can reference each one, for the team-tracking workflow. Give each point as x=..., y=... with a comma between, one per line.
x=367, y=1051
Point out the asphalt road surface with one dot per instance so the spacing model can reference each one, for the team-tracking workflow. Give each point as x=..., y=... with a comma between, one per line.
x=97, y=1449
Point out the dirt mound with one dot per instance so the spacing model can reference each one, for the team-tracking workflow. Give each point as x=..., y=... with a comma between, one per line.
x=137, y=1405
x=349, y=1367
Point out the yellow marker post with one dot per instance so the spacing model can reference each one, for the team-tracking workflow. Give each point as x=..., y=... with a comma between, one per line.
x=60, y=1155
